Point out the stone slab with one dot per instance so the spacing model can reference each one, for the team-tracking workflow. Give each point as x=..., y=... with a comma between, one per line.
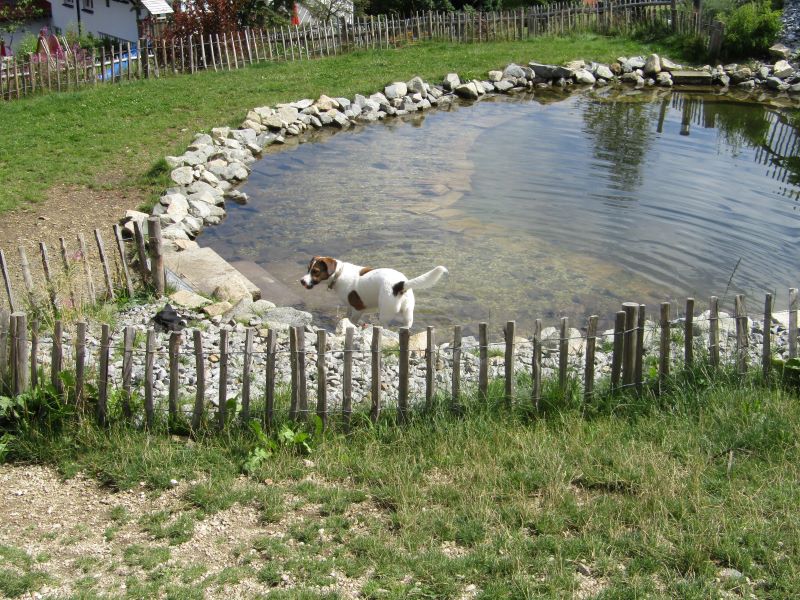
x=271, y=289
x=691, y=78
x=205, y=270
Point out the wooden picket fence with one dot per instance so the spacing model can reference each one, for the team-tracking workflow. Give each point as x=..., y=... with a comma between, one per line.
x=234, y=50
x=23, y=366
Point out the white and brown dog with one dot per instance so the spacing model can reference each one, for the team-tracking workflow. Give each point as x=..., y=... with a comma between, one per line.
x=365, y=289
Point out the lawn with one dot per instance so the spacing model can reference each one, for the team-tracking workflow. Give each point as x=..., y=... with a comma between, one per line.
x=114, y=137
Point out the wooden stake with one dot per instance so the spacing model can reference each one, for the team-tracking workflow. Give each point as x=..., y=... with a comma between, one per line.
x=638, y=367
x=563, y=355
x=48, y=280
x=269, y=401
x=200, y=370
x=57, y=357
x=688, y=334
x=222, y=402
x=455, y=393
x=156, y=255
x=713, y=331
x=376, y=374
x=5, y=326
x=664, y=346
x=174, y=376
x=616, y=357
x=294, y=373
x=102, y=384
x=402, y=392
x=67, y=277
x=792, y=322
x=246, y=365
x=80, y=363
x=322, y=376
x=430, y=381
x=302, y=387
x=766, y=351
x=742, y=336
x=87, y=269
x=123, y=261
x=106, y=270
x=536, y=391
x=629, y=345
x=588, y=373
x=347, y=378
x=127, y=370
x=509, y=362
x=7, y=281
x=483, y=365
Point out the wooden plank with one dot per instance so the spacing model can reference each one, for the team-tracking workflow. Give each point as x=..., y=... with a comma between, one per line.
x=302, y=386
x=792, y=322
x=129, y=335
x=616, y=356
x=200, y=371
x=102, y=376
x=629, y=345
x=247, y=359
x=375, y=411
x=80, y=363
x=222, y=401
x=536, y=367
x=57, y=357
x=588, y=372
x=430, y=381
x=664, y=346
x=742, y=337
x=347, y=378
x=47, y=278
x=563, y=355
x=402, y=391
x=713, y=331
x=638, y=378
x=294, y=373
x=322, y=377
x=12, y=303
x=5, y=329
x=149, y=359
x=269, y=400
x=156, y=256
x=67, y=276
x=509, y=362
x=455, y=392
x=87, y=269
x=766, y=350
x=483, y=365
x=106, y=268
x=688, y=334
x=174, y=376
x=123, y=261
x=34, y=356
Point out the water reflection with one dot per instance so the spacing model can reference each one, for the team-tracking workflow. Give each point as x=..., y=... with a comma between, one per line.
x=540, y=207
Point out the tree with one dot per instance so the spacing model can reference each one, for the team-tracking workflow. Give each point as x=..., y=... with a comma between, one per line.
x=13, y=16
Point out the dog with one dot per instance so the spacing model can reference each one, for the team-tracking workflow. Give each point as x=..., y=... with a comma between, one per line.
x=364, y=289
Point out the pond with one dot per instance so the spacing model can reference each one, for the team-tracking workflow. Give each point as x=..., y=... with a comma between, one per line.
x=540, y=206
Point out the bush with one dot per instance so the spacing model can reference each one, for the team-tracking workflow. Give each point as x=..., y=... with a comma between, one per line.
x=27, y=45
x=750, y=30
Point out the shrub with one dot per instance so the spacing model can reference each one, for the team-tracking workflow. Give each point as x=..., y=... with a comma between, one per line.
x=750, y=30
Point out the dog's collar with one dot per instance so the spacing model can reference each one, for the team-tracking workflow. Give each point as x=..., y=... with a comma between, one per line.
x=336, y=274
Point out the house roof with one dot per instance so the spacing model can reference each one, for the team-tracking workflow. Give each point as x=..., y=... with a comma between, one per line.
x=157, y=7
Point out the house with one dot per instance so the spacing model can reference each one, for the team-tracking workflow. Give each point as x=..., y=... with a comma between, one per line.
x=116, y=20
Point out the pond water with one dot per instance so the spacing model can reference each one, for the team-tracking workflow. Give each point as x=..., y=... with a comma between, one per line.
x=540, y=207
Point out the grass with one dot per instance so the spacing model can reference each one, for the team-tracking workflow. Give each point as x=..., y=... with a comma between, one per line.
x=114, y=137
x=631, y=497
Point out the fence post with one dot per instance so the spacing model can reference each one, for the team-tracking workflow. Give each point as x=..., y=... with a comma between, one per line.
x=509, y=362
x=563, y=355
x=713, y=331
x=741, y=335
x=121, y=249
x=766, y=351
x=174, y=377
x=347, y=378
x=293, y=372
x=269, y=400
x=792, y=322
x=21, y=353
x=322, y=376
x=456, y=388
x=536, y=391
x=129, y=334
x=200, y=371
x=688, y=334
x=4, y=331
x=34, y=366
x=106, y=270
x=48, y=280
x=246, y=366
x=7, y=281
x=222, y=401
x=429, y=360
x=664, y=346
x=588, y=373
x=102, y=384
x=149, y=359
x=302, y=388
x=65, y=261
x=402, y=390
x=616, y=356
x=26, y=273
x=629, y=345
x=375, y=411
x=156, y=255
x=637, y=371
x=483, y=367
x=57, y=358
x=87, y=269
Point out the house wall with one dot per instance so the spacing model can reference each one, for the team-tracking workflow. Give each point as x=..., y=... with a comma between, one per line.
x=107, y=18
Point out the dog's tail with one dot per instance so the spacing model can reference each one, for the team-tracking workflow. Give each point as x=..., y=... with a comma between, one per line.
x=425, y=280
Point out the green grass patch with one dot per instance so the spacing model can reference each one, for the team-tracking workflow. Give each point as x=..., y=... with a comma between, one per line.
x=17, y=573
x=114, y=137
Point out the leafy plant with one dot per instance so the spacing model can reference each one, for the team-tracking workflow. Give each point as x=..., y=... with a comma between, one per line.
x=788, y=370
x=750, y=29
x=293, y=440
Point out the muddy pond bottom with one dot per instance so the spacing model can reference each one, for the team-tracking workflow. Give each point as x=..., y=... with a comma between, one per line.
x=540, y=207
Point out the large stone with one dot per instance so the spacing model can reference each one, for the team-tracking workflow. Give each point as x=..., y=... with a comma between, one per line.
x=283, y=117
x=178, y=206
x=204, y=270
x=782, y=69
x=287, y=316
x=652, y=66
x=231, y=289
x=549, y=72
x=188, y=299
x=468, y=90
x=217, y=309
x=691, y=78
x=603, y=72
x=503, y=85
x=325, y=103
x=415, y=84
x=513, y=70
x=244, y=136
x=664, y=79
x=780, y=51
x=584, y=76
x=174, y=232
x=182, y=175
x=495, y=76
x=451, y=81
x=398, y=89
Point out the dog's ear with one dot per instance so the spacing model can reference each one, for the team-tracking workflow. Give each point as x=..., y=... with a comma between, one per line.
x=330, y=264
x=311, y=262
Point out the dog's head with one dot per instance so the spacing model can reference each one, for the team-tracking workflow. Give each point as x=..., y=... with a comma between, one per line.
x=319, y=269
